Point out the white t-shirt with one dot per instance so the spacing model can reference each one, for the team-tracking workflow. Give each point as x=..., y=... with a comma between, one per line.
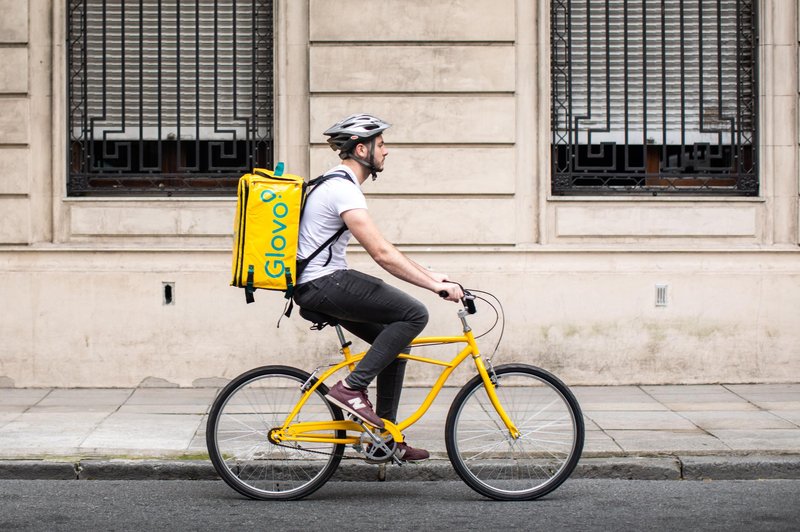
x=322, y=217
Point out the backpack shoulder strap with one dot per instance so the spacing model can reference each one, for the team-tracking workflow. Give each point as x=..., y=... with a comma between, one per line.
x=325, y=177
x=309, y=187
x=301, y=264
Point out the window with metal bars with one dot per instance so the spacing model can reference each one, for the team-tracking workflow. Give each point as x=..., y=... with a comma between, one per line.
x=654, y=97
x=168, y=97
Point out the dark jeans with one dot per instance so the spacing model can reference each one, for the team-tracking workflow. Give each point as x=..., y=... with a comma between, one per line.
x=379, y=314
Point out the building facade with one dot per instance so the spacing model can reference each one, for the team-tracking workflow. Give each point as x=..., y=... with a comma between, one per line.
x=624, y=176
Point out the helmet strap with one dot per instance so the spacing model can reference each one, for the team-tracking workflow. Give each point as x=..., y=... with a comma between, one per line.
x=369, y=162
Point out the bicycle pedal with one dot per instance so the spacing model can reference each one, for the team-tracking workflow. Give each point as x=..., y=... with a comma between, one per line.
x=357, y=420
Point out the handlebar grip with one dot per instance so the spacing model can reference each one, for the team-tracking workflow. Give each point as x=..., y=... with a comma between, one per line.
x=442, y=293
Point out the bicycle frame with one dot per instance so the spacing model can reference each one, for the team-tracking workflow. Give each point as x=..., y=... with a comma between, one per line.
x=325, y=431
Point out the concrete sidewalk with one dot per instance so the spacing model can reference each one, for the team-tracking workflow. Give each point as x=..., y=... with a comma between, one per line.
x=737, y=431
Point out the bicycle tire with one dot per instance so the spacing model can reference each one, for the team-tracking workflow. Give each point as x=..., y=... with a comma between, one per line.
x=552, y=432
x=239, y=421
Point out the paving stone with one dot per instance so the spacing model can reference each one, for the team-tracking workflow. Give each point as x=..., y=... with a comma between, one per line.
x=640, y=421
x=22, y=396
x=760, y=440
x=684, y=389
x=83, y=399
x=718, y=406
x=710, y=420
x=169, y=401
x=792, y=416
x=123, y=432
x=663, y=441
x=599, y=443
x=42, y=434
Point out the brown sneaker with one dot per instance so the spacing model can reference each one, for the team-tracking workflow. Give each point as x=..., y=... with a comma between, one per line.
x=355, y=402
x=407, y=453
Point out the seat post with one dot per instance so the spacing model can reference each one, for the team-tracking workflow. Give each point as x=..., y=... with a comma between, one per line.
x=340, y=333
x=345, y=350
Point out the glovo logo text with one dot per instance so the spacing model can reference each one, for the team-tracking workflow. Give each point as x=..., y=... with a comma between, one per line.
x=274, y=265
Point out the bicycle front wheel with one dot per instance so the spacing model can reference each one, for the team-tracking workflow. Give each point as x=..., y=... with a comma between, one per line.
x=237, y=435
x=547, y=450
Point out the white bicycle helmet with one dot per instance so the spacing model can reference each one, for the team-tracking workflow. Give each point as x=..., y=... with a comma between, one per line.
x=357, y=129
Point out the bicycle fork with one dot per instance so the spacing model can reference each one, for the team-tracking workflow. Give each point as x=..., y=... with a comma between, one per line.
x=489, y=384
x=489, y=381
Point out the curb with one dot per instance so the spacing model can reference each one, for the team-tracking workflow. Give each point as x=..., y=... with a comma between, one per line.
x=146, y=470
x=741, y=468
x=619, y=468
x=629, y=468
x=37, y=470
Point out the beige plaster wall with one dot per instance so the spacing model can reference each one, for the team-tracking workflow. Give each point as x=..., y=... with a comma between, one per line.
x=83, y=318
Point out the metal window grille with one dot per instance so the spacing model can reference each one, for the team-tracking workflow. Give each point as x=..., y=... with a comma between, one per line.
x=168, y=97
x=654, y=97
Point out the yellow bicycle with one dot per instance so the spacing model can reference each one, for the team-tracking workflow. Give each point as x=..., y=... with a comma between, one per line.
x=513, y=432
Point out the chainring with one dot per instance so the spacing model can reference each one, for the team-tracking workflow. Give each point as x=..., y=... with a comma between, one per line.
x=378, y=453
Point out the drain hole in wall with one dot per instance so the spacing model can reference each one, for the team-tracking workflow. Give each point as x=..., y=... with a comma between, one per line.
x=169, y=293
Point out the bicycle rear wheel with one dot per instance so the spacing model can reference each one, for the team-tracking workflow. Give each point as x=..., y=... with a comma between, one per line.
x=239, y=423
x=492, y=463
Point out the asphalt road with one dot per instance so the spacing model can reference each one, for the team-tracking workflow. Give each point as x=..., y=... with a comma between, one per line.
x=577, y=505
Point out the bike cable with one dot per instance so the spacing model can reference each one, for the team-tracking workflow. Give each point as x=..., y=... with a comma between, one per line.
x=500, y=316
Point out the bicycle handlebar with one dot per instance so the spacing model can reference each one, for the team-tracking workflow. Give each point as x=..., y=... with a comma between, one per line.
x=468, y=300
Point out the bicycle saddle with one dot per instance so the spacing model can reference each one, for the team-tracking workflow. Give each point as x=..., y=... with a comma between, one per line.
x=318, y=319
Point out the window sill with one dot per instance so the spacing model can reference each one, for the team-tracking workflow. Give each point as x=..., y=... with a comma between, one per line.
x=148, y=199
x=656, y=199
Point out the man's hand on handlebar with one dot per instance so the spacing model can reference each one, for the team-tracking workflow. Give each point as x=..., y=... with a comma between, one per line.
x=449, y=291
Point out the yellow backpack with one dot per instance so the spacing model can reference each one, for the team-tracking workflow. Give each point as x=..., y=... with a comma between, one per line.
x=266, y=226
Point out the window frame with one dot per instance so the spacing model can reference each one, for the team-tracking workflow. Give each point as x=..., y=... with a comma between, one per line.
x=648, y=174
x=168, y=163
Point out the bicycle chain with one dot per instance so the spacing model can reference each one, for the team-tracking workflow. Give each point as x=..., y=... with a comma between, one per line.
x=316, y=452
x=362, y=458
x=323, y=452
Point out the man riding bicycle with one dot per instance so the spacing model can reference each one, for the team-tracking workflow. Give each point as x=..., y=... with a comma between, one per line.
x=382, y=315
